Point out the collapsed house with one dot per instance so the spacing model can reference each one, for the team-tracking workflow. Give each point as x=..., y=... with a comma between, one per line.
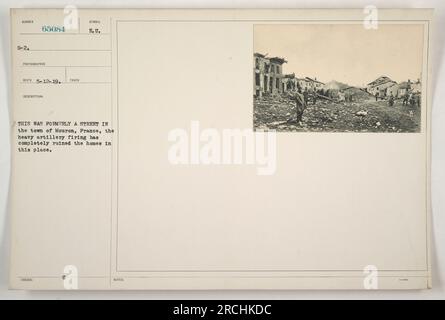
x=313, y=84
x=268, y=75
x=380, y=85
x=333, y=89
x=270, y=80
x=289, y=82
x=398, y=90
x=354, y=94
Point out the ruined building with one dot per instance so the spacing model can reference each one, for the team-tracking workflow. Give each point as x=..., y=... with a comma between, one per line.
x=379, y=86
x=289, y=82
x=268, y=75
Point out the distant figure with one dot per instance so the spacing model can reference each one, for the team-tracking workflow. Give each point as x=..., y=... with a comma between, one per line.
x=418, y=100
x=391, y=100
x=411, y=99
x=376, y=96
x=405, y=98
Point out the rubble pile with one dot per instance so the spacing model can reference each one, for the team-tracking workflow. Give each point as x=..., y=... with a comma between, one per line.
x=367, y=116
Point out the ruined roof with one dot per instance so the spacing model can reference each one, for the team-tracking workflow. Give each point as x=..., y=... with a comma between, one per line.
x=278, y=60
x=257, y=54
x=394, y=84
x=380, y=80
x=313, y=80
x=404, y=85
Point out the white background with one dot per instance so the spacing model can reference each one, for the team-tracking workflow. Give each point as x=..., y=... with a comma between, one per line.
x=438, y=157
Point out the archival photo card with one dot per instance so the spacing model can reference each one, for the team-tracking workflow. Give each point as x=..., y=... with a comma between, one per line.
x=143, y=158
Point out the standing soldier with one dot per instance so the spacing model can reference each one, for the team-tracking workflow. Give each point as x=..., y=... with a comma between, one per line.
x=305, y=96
x=300, y=106
x=314, y=92
x=376, y=96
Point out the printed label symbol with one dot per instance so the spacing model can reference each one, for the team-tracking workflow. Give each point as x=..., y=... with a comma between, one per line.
x=70, y=278
x=71, y=19
x=371, y=280
x=371, y=20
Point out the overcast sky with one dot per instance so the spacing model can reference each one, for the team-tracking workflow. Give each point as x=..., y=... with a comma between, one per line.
x=346, y=53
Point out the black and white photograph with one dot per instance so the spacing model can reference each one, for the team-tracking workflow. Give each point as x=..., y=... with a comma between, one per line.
x=338, y=77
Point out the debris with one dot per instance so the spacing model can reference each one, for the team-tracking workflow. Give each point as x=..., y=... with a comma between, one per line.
x=275, y=112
